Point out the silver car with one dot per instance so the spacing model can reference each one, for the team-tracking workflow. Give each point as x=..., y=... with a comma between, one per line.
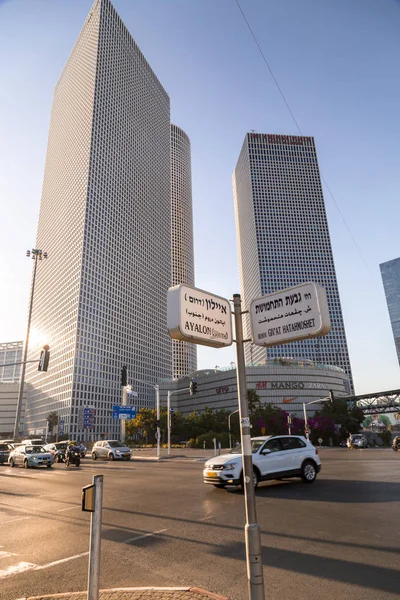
x=111, y=450
x=30, y=456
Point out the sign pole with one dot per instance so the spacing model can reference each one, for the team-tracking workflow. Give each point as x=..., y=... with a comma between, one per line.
x=169, y=422
x=252, y=529
x=124, y=403
x=95, y=539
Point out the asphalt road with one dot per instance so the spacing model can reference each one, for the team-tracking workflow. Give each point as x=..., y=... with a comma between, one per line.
x=339, y=537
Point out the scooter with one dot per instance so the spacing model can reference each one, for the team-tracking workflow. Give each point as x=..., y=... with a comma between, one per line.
x=72, y=456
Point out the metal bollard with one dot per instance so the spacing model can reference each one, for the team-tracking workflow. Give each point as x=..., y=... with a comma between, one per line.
x=92, y=501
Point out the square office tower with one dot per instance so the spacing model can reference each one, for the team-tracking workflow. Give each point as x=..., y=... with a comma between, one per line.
x=105, y=220
x=283, y=237
x=390, y=272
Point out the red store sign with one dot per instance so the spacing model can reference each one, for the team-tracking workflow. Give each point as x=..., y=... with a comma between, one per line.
x=222, y=390
x=261, y=385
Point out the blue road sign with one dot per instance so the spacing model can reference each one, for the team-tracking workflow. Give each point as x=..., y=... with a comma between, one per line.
x=61, y=427
x=124, y=412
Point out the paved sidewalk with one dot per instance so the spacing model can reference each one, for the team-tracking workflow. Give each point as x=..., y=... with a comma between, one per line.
x=138, y=594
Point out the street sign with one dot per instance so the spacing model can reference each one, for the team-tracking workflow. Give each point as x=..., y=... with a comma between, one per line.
x=293, y=314
x=130, y=391
x=199, y=317
x=89, y=417
x=124, y=412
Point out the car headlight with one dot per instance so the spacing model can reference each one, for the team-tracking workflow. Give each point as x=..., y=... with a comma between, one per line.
x=231, y=465
x=118, y=451
x=33, y=458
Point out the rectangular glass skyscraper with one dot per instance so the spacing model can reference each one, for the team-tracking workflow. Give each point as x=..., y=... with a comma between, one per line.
x=283, y=237
x=105, y=221
x=390, y=272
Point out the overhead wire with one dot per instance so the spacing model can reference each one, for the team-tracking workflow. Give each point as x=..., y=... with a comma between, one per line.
x=300, y=131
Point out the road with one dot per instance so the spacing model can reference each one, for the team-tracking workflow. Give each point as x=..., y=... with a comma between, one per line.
x=339, y=537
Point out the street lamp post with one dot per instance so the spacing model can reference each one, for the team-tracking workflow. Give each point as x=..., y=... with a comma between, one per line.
x=328, y=399
x=229, y=427
x=35, y=255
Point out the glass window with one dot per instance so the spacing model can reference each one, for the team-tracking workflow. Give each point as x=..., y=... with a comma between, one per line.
x=273, y=445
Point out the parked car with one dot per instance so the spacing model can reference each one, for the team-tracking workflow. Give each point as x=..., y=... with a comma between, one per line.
x=5, y=450
x=30, y=456
x=111, y=450
x=58, y=450
x=274, y=457
x=357, y=440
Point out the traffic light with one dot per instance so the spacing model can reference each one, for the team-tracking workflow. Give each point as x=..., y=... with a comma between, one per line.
x=157, y=422
x=173, y=419
x=44, y=358
x=193, y=387
x=124, y=376
x=332, y=397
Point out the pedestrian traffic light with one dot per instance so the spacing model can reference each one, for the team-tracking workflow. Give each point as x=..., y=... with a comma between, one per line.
x=44, y=358
x=193, y=387
x=124, y=376
x=157, y=423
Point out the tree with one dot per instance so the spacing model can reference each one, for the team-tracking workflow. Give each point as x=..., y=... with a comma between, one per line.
x=342, y=413
x=253, y=401
x=52, y=420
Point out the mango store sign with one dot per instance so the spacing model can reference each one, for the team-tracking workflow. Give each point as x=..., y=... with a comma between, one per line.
x=199, y=317
x=290, y=315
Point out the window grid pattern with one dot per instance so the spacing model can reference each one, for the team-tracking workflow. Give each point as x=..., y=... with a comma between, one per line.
x=184, y=355
x=390, y=272
x=10, y=352
x=287, y=243
x=105, y=221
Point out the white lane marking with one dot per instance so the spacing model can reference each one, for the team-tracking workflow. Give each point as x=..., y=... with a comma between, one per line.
x=145, y=535
x=205, y=518
x=13, y=520
x=69, y=508
x=4, y=554
x=19, y=568
x=60, y=562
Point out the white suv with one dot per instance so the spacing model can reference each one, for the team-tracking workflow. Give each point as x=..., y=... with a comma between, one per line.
x=111, y=450
x=274, y=457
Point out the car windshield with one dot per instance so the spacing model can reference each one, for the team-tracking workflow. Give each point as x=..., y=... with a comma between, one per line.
x=255, y=446
x=115, y=444
x=35, y=450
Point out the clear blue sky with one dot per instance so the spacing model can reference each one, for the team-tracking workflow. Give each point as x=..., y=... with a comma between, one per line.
x=338, y=65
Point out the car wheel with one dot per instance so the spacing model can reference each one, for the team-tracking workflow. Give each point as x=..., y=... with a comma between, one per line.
x=309, y=472
x=111, y=456
x=94, y=455
x=26, y=466
x=256, y=479
x=219, y=485
x=12, y=463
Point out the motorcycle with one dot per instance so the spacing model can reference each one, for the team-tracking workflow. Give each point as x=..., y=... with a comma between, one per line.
x=396, y=443
x=72, y=456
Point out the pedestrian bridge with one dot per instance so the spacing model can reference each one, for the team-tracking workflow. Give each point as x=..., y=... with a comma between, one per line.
x=377, y=403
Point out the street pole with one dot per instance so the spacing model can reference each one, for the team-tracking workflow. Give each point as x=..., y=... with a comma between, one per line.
x=229, y=427
x=252, y=529
x=156, y=387
x=169, y=423
x=22, y=381
x=95, y=540
x=305, y=421
x=124, y=403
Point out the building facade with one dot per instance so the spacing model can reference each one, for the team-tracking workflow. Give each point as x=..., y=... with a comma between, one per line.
x=105, y=221
x=283, y=237
x=184, y=355
x=286, y=383
x=10, y=353
x=390, y=272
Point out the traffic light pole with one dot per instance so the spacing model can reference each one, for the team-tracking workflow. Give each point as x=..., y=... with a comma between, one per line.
x=124, y=403
x=252, y=529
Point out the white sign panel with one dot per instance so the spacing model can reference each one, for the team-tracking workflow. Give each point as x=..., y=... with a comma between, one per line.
x=199, y=317
x=293, y=314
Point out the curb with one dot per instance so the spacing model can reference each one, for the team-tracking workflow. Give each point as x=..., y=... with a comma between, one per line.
x=194, y=590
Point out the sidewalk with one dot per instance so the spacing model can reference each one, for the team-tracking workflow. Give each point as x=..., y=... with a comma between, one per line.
x=143, y=593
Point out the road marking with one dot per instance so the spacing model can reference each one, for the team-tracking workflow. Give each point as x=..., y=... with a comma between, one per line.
x=209, y=517
x=19, y=568
x=60, y=562
x=69, y=508
x=141, y=537
x=13, y=520
x=4, y=554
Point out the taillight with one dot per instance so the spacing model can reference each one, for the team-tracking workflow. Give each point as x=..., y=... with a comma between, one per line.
x=316, y=450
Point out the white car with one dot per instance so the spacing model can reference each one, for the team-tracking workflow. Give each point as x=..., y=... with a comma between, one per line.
x=357, y=440
x=274, y=457
x=111, y=450
x=30, y=456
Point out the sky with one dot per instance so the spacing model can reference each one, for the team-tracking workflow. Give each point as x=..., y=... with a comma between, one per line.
x=337, y=64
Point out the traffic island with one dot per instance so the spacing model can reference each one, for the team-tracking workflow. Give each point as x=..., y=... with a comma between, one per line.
x=138, y=593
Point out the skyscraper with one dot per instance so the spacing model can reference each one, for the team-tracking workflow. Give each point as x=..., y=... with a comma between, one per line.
x=184, y=355
x=283, y=237
x=390, y=272
x=105, y=221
